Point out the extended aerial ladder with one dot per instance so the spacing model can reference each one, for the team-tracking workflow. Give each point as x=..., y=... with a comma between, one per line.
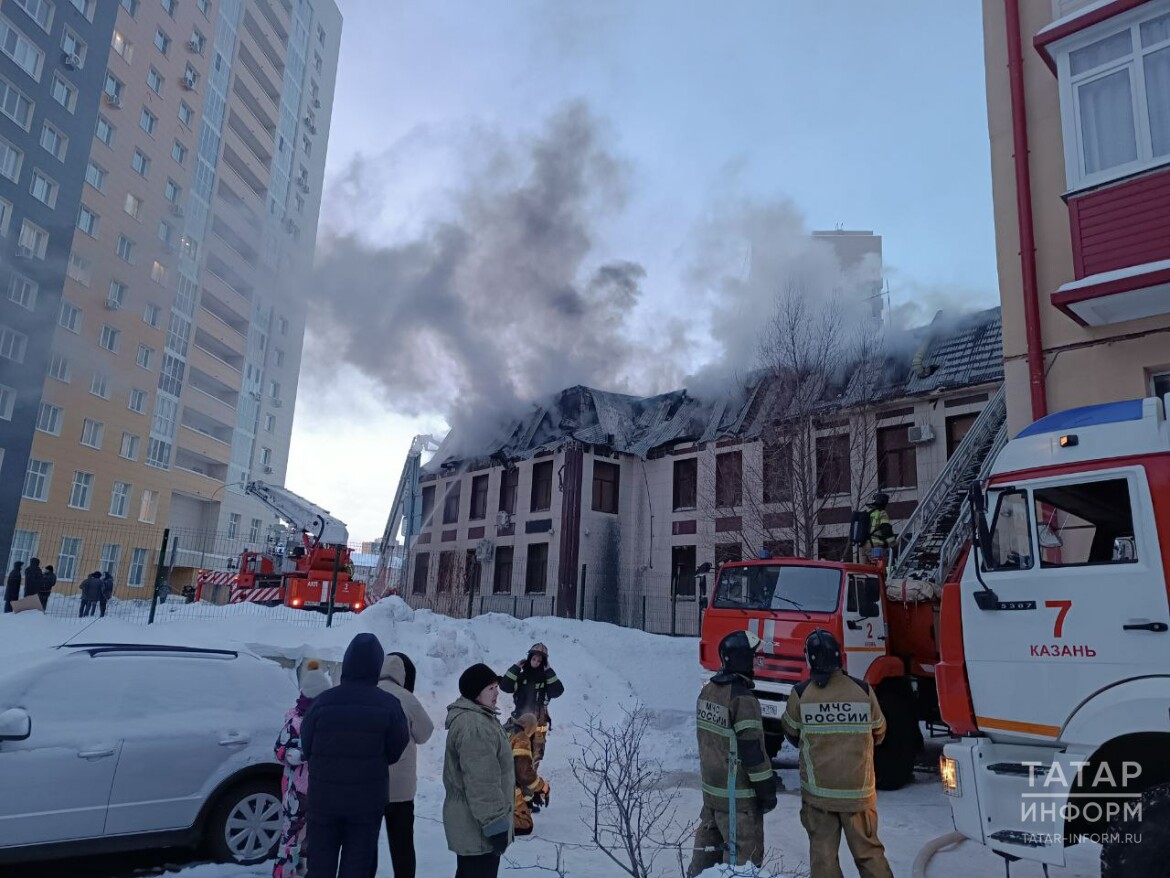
x=405, y=518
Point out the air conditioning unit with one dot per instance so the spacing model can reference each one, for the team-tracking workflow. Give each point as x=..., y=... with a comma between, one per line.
x=195, y=45
x=113, y=304
x=113, y=100
x=255, y=394
x=189, y=80
x=921, y=435
x=484, y=550
x=268, y=470
x=276, y=403
x=24, y=252
x=503, y=519
x=177, y=209
x=71, y=61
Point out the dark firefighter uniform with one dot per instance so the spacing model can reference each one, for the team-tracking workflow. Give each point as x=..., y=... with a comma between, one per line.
x=733, y=761
x=532, y=688
x=835, y=721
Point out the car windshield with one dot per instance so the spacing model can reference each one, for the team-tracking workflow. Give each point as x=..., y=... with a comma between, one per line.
x=779, y=587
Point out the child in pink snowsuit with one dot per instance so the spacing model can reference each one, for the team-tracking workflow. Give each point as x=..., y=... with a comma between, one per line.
x=291, y=856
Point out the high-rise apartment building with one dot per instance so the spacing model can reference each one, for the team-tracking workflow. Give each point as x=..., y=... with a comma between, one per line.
x=162, y=167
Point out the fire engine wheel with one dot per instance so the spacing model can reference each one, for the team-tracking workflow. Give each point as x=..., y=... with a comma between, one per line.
x=893, y=759
x=1139, y=846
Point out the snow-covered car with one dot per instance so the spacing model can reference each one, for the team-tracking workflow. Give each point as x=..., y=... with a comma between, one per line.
x=113, y=747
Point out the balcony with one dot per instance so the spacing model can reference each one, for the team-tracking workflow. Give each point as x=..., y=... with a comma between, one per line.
x=238, y=269
x=253, y=105
x=247, y=172
x=198, y=460
x=207, y=384
x=208, y=405
x=205, y=424
x=260, y=75
x=245, y=245
x=266, y=41
x=279, y=24
x=222, y=278
x=220, y=371
x=249, y=138
x=223, y=314
x=218, y=338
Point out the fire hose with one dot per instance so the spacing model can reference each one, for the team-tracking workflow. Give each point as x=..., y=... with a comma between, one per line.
x=932, y=847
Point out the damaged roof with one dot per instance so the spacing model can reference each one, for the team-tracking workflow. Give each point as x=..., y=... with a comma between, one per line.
x=949, y=353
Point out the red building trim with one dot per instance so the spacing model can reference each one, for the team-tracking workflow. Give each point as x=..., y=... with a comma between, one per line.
x=1120, y=225
x=1047, y=37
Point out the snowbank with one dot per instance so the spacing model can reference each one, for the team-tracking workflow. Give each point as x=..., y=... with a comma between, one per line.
x=603, y=667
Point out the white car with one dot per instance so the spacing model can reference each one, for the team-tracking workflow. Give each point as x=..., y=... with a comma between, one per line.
x=113, y=747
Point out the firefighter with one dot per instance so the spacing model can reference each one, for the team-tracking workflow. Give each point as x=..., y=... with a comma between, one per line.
x=881, y=532
x=835, y=721
x=739, y=785
x=532, y=790
x=533, y=683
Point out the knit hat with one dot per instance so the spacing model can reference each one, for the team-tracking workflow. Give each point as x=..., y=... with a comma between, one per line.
x=314, y=679
x=475, y=679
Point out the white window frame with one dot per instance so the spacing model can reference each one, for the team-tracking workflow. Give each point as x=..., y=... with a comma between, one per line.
x=145, y=358
x=139, y=558
x=131, y=443
x=7, y=402
x=25, y=546
x=137, y=400
x=111, y=557
x=49, y=418
x=61, y=146
x=70, y=317
x=43, y=477
x=26, y=54
x=148, y=507
x=67, y=563
x=110, y=338
x=23, y=291
x=87, y=221
x=120, y=495
x=60, y=368
x=92, y=433
x=81, y=492
x=1061, y=50
x=13, y=160
x=19, y=98
x=13, y=344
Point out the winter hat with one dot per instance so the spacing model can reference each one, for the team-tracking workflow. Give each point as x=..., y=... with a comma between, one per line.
x=475, y=679
x=314, y=679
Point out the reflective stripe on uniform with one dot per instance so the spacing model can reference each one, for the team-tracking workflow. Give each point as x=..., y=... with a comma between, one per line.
x=713, y=729
x=758, y=776
x=745, y=724
x=722, y=792
x=516, y=751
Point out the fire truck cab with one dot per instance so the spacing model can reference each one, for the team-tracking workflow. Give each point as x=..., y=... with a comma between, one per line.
x=890, y=644
x=1056, y=644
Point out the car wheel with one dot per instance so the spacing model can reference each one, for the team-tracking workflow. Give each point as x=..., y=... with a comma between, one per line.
x=245, y=825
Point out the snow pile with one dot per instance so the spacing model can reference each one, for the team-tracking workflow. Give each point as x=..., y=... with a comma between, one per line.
x=604, y=669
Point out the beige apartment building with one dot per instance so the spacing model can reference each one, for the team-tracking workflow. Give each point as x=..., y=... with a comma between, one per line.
x=1077, y=95
x=173, y=364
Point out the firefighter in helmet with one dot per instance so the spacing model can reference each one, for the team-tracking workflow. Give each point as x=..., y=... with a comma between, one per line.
x=835, y=721
x=739, y=785
x=881, y=532
x=533, y=683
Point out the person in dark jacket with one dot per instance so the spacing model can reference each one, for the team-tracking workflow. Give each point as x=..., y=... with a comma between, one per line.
x=48, y=581
x=350, y=737
x=107, y=590
x=91, y=593
x=12, y=586
x=533, y=683
x=33, y=577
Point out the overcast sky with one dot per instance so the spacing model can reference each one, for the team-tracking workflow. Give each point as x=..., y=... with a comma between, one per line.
x=864, y=115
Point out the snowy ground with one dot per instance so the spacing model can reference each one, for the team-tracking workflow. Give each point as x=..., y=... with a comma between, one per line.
x=603, y=667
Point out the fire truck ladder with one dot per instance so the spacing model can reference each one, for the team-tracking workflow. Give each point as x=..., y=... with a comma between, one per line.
x=405, y=514
x=933, y=537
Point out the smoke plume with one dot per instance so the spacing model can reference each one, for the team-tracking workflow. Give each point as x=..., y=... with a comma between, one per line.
x=502, y=303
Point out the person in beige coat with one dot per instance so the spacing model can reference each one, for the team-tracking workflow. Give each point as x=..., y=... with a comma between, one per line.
x=404, y=772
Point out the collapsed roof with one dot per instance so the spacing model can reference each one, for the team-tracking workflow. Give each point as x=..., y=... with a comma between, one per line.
x=951, y=352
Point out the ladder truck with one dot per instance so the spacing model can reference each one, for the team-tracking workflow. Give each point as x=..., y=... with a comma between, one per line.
x=1055, y=639
x=301, y=574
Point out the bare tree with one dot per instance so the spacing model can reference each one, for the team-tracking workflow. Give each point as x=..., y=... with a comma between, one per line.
x=632, y=801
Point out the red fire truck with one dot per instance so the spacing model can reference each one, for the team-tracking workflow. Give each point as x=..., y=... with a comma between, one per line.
x=303, y=573
x=889, y=643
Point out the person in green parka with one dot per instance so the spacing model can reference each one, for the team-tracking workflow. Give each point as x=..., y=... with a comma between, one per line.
x=478, y=776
